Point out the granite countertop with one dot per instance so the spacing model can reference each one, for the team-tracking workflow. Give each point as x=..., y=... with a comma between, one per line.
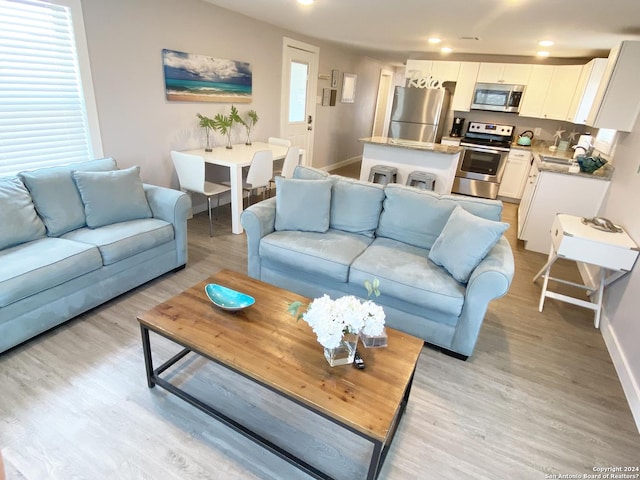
x=540, y=149
x=412, y=145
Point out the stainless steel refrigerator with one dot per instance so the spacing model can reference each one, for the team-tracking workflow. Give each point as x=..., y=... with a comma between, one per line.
x=418, y=113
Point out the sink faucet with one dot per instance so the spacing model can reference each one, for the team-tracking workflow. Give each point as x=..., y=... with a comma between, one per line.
x=587, y=151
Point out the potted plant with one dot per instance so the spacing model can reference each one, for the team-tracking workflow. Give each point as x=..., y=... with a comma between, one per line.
x=207, y=124
x=252, y=119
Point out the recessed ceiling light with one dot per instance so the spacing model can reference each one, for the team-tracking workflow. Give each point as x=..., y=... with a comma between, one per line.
x=542, y=54
x=434, y=40
x=545, y=43
x=446, y=49
x=305, y=2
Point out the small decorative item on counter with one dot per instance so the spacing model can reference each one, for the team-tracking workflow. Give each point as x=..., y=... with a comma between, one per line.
x=590, y=164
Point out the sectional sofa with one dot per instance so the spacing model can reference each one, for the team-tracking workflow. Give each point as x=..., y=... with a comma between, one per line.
x=76, y=236
x=440, y=259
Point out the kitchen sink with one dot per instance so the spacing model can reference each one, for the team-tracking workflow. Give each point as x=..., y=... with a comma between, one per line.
x=558, y=160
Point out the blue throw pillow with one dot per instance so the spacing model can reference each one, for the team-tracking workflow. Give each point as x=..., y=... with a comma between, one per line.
x=112, y=197
x=464, y=242
x=302, y=205
x=19, y=222
x=355, y=205
x=56, y=197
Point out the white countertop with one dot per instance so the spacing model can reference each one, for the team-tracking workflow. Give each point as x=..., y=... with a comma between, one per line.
x=413, y=145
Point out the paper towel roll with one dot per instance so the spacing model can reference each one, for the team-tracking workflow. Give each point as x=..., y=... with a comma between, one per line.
x=583, y=141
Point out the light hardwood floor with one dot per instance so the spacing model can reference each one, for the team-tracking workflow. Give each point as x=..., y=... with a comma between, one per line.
x=539, y=396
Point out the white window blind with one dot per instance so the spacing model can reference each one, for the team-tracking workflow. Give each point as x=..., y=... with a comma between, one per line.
x=43, y=119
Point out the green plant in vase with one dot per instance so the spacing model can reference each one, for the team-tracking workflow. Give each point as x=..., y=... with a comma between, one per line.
x=223, y=123
x=252, y=119
x=207, y=124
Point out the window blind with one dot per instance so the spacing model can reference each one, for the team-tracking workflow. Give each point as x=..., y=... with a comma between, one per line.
x=43, y=119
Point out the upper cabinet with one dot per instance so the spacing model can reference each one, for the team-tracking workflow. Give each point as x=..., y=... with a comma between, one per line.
x=617, y=100
x=536, y=91
x=550, y=91
x=507, y=73
x=421, y=72
x=586, y=90
x=465, y=86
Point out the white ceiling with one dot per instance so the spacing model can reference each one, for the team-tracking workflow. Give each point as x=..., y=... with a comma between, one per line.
x=399, y=29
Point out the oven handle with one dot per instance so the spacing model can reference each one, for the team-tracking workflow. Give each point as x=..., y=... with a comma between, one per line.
x=482, y=149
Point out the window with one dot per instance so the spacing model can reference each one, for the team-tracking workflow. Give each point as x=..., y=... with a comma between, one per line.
x=47, y=111
x=298, y=92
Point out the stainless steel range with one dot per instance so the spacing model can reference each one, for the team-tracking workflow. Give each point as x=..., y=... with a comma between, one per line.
x=482, y=163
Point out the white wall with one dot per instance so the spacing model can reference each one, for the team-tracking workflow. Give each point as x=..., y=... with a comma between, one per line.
x=622, y=300
x=139, y=126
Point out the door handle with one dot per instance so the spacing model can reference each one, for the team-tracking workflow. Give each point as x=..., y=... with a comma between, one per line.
x=310, y=123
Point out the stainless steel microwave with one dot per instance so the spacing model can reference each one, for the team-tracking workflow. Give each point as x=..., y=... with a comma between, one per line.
x=497, y=97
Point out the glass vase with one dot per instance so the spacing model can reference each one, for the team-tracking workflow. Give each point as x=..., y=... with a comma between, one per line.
x=229, y=141
x=208, y=147
x=344, y=353
x=374, y=341
x=248, y=142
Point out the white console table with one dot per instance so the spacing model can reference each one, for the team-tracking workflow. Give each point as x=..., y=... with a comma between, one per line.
x=614, y=253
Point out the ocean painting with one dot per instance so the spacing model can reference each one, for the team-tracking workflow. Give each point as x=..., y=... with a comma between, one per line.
x=198, y=78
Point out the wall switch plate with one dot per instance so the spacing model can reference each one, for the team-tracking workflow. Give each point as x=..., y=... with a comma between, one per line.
x=537, y=131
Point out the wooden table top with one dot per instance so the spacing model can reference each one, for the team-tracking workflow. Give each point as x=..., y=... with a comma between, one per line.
x=265, y=343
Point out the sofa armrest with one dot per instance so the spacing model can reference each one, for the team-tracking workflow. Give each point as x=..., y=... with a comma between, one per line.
x=174, y=207
x=258, y=221
x=490, y=280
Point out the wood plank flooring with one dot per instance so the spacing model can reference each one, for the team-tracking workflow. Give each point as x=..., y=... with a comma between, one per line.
x=539, y=396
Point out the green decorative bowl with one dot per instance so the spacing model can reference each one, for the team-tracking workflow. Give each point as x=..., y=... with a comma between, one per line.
x=590, y=164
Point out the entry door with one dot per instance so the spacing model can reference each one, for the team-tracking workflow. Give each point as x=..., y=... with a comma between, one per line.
x=299, y=84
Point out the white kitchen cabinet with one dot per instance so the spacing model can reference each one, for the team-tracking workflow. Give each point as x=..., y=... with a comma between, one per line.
x=507, y=73
x=550, y=91
x=561, y=91
x=548, y=193
x=465, y=86
x=590, y=79
x=617, y=101
x=437, y=70
x=515, y=174
x=536, y=91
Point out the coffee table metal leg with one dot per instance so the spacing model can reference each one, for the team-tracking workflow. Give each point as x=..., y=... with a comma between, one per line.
x=148, y=361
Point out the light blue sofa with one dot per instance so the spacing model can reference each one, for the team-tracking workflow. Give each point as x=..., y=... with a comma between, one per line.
x=391, y=233
x=76, y=236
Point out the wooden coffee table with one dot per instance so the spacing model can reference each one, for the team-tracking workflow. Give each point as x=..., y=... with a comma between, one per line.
x=268, y=346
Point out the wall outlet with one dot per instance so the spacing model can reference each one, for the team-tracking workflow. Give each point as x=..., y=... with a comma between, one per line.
x=537, y=131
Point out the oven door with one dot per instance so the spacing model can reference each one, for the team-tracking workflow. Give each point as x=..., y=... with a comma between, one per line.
x=484, y=164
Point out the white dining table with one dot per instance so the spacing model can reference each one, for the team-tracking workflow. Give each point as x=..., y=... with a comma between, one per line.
x=235, y=159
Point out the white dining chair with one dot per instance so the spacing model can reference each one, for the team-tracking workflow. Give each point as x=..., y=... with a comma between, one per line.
x=291, y=160
x=260, y=173
x=279, y=141
x=191, y=175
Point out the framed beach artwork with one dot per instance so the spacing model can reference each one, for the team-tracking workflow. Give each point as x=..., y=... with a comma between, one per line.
x=197, y=78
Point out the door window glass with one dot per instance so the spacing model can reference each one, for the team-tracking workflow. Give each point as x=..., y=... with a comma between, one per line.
x=298, y=91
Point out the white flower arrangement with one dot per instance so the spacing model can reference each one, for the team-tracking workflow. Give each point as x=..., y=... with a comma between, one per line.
x=331, y=319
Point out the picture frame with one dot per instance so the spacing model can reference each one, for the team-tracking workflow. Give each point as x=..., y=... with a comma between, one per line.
x=349, y=87
x=334, y=78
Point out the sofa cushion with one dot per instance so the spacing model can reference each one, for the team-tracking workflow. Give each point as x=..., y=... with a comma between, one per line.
x=124, y=239
x=39, y=265
x=19, y=222
x=355, y=205
x=56, y=196
x=326, y=254
x=406, y=273
x=302, y=204
x=417, y=216
x=309, y=173
x=112, y=197
x=464, y=241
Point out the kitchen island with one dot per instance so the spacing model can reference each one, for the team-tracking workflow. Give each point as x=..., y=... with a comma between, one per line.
x=408, y=156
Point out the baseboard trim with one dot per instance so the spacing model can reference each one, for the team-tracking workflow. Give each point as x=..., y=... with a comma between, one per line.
x=621, y=364
x=343, y=163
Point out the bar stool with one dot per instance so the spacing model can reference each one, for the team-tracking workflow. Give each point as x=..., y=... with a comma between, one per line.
x=383, y=174
x=421, y=180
